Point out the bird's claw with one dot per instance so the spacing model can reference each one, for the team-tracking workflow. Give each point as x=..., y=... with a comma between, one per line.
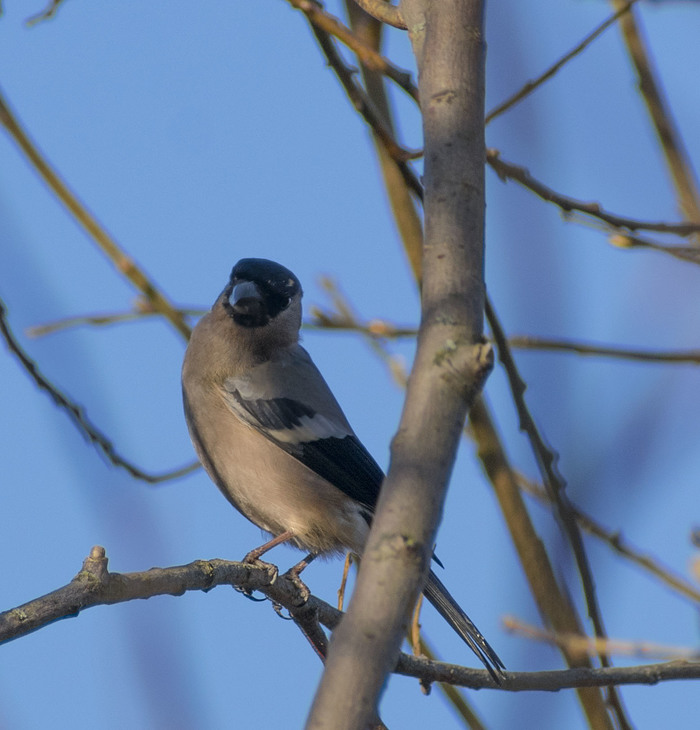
x=298, y=583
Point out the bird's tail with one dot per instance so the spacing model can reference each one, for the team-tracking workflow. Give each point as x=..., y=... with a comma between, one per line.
x=450, y=610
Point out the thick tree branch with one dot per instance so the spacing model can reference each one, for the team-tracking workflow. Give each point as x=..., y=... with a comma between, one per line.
x=448, y=41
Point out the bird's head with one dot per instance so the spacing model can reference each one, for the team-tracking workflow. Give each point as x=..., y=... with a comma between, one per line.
x=265, y=296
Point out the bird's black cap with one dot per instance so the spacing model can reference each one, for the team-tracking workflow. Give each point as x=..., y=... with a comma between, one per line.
x=275, y=286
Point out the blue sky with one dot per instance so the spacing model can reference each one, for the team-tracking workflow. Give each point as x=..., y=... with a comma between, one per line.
x=202, y=134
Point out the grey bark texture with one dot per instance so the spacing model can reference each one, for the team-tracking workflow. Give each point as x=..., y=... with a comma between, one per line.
x=451, y=363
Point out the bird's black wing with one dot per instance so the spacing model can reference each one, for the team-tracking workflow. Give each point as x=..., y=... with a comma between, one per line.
x=323, y=444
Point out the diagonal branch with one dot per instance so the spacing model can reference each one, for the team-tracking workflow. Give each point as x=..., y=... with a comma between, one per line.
x=509, y=171
x=555, y=486
x=369, y=57
x=364, y=106
x=383, y=11
x=530, y=86
x=677, y=159
x=121, y=260
x=77, y=414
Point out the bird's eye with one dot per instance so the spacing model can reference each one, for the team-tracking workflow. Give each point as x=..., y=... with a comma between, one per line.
x=284, y=303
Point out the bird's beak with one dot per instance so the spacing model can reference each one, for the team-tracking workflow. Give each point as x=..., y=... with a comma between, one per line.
x=246, y=299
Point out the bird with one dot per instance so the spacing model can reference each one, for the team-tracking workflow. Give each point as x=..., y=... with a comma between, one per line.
x=271, y=435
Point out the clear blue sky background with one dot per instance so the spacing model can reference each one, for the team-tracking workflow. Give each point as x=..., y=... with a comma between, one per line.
x=202, y=133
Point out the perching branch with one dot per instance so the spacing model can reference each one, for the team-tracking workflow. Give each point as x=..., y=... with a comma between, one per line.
x=94, y=585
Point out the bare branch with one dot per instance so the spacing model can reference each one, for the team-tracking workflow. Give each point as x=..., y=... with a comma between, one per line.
x=124, y=264
x=48, y=12
x=400, y=194
x=77, y=414
x=555, y=486
x=551, y=681
x=448, y=41
x=618, y=543
x=369, y=57
x=364, y=106
x=384, y=11
x=509, y=171
x=691, y=254
x=553, y=603
x=596, y=645
x=530, y=86
x=527, y=342
x=142, y=310
x=94, y=585
x=677, y=159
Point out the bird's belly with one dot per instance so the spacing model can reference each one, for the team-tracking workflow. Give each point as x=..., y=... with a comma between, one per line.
x=278, y=493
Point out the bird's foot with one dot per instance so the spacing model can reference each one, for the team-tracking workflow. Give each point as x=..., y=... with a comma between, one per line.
x=292, y=575
x=254, y=561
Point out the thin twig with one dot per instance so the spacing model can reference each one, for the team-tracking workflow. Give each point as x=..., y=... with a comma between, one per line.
x=527, y=342
x=364, y=106
x=593, y=645
x=530, y=86
x=677, y=159
x=46, y=14
x=368, y=56
x=77, y=414
x=142, y=311
x=619, y=544
x=690, y=254
x=509, y=171
x=120, y=259
x=555, y=485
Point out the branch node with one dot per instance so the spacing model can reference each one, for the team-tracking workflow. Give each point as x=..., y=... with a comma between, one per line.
x=95, y=566
x=466, y=366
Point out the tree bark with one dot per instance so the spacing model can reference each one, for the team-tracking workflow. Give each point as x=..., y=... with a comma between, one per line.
x=451, y=363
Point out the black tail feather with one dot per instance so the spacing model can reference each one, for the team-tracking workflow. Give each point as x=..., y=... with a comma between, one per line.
x=450, y=610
